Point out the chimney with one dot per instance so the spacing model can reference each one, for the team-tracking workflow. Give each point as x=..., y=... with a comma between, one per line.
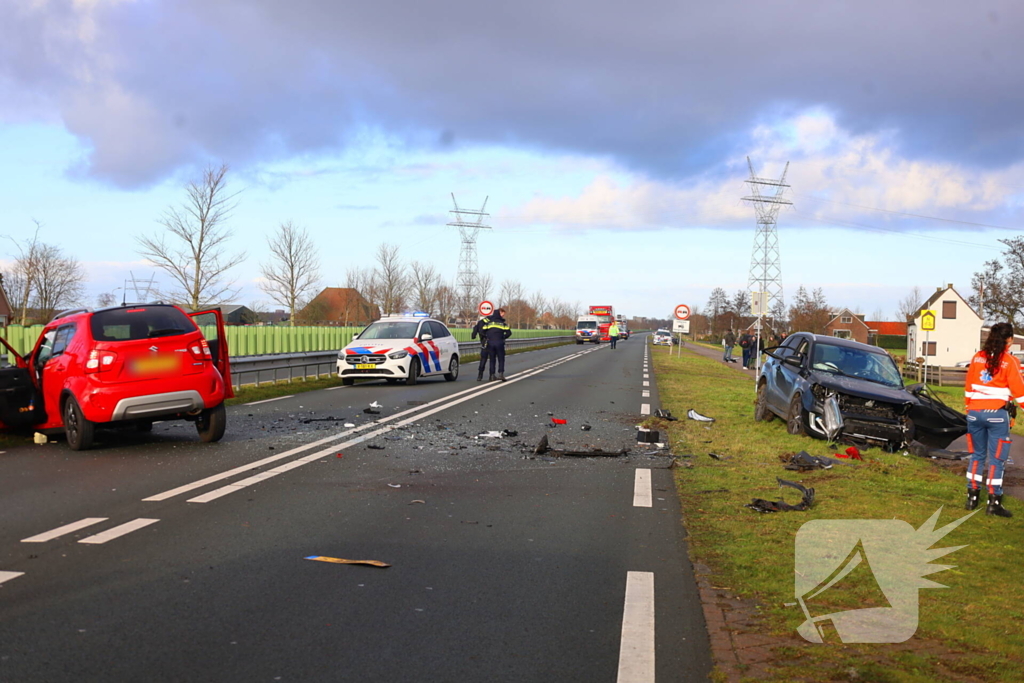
x=950, y=285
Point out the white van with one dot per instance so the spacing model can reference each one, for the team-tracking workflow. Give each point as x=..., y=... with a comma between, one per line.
x=588, y=329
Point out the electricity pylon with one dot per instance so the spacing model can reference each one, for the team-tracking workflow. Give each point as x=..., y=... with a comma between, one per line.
x=467, y=282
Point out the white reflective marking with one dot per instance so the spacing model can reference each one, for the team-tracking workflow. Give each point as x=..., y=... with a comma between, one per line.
x=647, y=384
x=642, y=489
x=268, y=400
x=636, y=647
x=646, y=393
x=7, y=576
x=61, y=530
x=646, y=376
x=118, y=531
x=645, y=408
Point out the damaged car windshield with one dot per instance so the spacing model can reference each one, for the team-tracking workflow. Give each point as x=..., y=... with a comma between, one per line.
x=844, y=360
x=390, y=330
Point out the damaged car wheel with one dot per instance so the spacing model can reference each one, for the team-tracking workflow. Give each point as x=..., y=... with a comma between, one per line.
x=761, y=411
x=796, y=420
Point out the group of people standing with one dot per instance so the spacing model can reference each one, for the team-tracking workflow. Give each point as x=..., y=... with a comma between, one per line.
x=750, y=344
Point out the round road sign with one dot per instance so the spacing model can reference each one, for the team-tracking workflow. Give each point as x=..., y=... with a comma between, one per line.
x=682, y=311
x=485, y=308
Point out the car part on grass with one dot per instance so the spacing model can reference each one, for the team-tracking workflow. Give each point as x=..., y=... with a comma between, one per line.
x=805, y=462
x=716, y=456
x=694, y=415
x=806, y=501
x=852, y=453
x=338, y=560
x=936, y=424
x=925, y=451
x=666, y=415
x=644, y=435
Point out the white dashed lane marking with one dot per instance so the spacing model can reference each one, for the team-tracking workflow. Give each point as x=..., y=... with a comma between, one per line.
x=645, y=393
x=61, y=530
x=118, y=531
x=636, y=648
x=268, y=400
x=646, y=383
x=642, y=489
x=7, y=576
x=645, y=408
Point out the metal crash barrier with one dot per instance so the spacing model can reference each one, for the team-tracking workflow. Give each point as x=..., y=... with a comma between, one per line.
x=291, y=366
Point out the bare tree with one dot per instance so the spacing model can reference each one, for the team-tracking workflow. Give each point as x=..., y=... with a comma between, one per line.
x=390, y=275
x=539, y=305
x=13, y=281
x=293, y=271
x=106, y=299
x=197, y=259
x=58, y=282
x=362, y=281
x=910, y=304
x=484, y=287
x=23, y=274
x=424, y=281
x=447, y=298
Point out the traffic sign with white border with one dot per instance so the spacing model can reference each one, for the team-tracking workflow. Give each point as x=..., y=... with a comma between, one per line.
x=682, y=311
x=485, y=308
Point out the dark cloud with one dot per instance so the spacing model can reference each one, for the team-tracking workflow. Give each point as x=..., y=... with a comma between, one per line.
x=661, y=86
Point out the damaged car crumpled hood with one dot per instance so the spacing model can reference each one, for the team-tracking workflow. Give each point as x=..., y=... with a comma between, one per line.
x=863, y=389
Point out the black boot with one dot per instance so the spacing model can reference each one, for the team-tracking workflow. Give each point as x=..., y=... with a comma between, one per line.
x=972, y=498
x=480, y=376
x=995, y=507
x=501, y=376
x=491, y=378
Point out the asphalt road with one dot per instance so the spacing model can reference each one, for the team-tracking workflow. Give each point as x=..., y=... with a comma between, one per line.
x=189, y=562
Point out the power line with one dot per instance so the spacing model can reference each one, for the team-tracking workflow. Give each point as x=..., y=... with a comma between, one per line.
x=911, y=215
x=835, y=222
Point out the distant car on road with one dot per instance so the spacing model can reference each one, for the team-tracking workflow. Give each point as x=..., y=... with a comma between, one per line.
x=400, y=348
x=119, y=366
x=829, y=388
x=662, y=338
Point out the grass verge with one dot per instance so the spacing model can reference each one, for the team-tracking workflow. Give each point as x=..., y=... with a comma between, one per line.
x=250, y=393
x=971, y=631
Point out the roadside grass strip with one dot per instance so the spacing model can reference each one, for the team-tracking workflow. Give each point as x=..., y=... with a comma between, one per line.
x=972, y=630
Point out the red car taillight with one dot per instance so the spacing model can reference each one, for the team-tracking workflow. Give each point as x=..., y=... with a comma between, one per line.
x=100, y=361
x=200, y=350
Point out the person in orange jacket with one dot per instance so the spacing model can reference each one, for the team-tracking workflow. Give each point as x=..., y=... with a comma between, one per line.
x=993, y=383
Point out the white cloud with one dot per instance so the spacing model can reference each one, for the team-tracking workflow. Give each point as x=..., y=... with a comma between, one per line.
x=834, y=176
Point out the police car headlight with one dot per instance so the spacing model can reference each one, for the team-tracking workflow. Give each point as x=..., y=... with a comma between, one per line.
x=398, y=355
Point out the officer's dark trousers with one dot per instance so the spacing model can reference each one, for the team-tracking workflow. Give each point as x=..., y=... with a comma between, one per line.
x=483, y=360
x=497, y=353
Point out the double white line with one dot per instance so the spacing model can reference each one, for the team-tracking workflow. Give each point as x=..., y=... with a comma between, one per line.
x=400, y=419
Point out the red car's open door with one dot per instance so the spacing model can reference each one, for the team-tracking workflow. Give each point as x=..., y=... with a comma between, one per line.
x=20, y=405
x=218, y=345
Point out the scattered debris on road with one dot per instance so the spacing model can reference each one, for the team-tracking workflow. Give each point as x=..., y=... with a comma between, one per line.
x=644, y=435
x=542, y=446
x=373, y=409
x=375, y=446
x=807, y=500
x=40, y=438
x=338, y=560
x=585, y=427
x=557, y=421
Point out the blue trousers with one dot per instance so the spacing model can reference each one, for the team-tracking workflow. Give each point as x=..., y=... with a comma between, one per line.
x=614, y=339
x=496, y=351
x=728, y=353
x=988, y=439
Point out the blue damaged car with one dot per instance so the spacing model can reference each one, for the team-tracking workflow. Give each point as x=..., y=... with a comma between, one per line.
x=838, y=389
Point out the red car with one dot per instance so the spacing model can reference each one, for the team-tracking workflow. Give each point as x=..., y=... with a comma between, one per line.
x=121, y=366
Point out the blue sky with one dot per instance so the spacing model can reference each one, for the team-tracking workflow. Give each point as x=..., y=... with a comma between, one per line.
x=611, y=144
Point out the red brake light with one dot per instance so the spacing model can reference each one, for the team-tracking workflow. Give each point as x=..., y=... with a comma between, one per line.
x=100, y=361
x=200, y=350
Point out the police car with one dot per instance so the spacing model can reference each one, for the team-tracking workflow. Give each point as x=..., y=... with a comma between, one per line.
x=400, y=348
x=663, y=338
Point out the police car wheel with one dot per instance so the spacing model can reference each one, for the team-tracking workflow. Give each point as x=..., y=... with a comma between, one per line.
x=414, y=372
x=453, y=370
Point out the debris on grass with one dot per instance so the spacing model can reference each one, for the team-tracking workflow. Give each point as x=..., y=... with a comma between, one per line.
x=805, y=462
x=924, y=451
x=665, y=415
x=694, y=415
x=806, y=501
x=852, y=453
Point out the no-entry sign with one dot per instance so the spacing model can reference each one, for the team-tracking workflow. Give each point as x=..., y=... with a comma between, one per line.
x=485, y=308
x=682, y=312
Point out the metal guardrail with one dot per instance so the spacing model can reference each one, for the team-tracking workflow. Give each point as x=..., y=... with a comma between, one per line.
x=290, y=366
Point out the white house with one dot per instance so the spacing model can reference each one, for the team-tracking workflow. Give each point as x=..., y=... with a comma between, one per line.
x=957, y=333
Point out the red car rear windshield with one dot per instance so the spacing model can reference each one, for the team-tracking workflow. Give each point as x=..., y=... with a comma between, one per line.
x=139, y=322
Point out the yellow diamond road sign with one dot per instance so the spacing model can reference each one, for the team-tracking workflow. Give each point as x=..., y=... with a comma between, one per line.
x=927, y=321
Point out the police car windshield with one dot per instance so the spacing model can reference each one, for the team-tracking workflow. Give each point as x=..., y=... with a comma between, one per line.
x=586, y=325
x=390, y=330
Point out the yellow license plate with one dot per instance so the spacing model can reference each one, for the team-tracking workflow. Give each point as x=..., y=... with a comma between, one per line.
x=149, y=366
x=365, y=366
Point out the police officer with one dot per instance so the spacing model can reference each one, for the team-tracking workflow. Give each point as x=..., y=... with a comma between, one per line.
x=478, y=331
x=495, y=331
